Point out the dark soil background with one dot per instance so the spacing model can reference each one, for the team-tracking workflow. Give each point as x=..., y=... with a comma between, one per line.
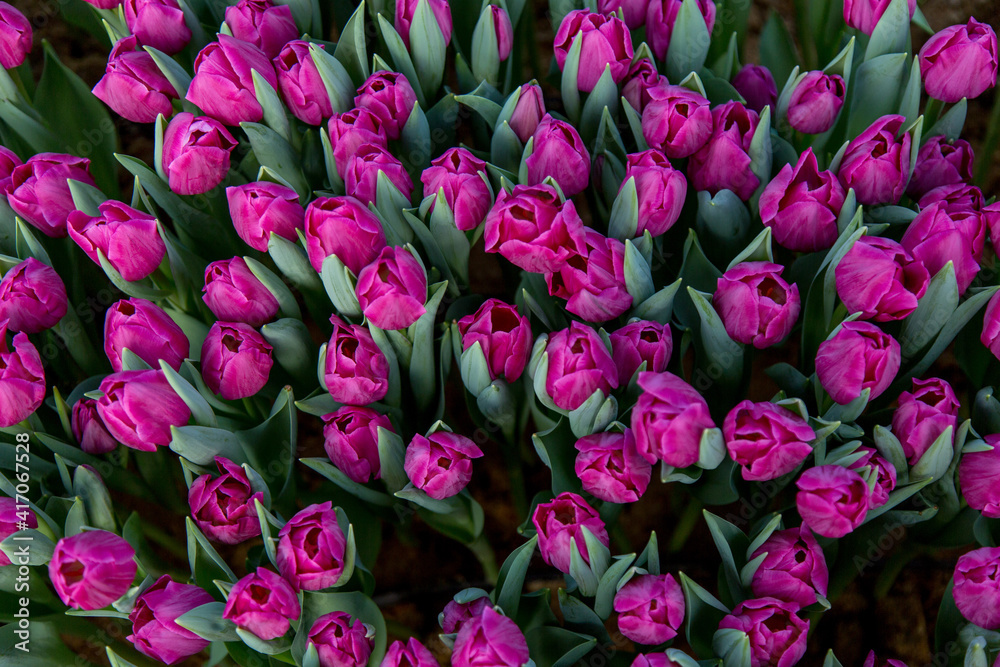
x=418, y=572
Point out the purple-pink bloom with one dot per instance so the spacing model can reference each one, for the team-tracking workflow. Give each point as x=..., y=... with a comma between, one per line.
x=455, y=614
x=724, y=162
x=157, y=23
x=409, y=654
x=133, y=86
x=441, y=463
x=661, y=17
x=637, y=342
x=816, y=102
x=777, y=635
x=490, y=638
x=801, y=205
x=977, y=587
x=593, y=284
x=350, y=438
x=959, y=61
x=92, y=569
x=364, y=167
x=794, y=569
x=406, y=11
x=11, y=520
x=756, y=84
x=340, y=640
x=147, y=331
x=677, y=121
x=634, y=11
x=979, y=478
x=88, y=429
x=8, y=162
x=223, y=86
x=605, y=41
x=579, y=365
x=356, y=370
x=650, y=608
x=955, y=197
x=390, y=97
x=263, y=24
x=941, y=162
x=832, y=500
x=344, y=227
x=459, y=174
x=504, y=336
x=32, y=297
x=311, y=548
x=22, y=379
x=128, y=238
x=877, y=162
x=990, y=336
x=768, y=440
x=350, y=131
x=263, y=603
x=865, y=14
x=563, y=519
x=392, y=289
x=756, y=305
x=528, y=112
x=15, y=36
x=923, y=415
x=234, y=294
x=300, y=84
x=503, y=31
x=559, y=152
x=155, y=632
x=39, y=194
x=859, y=356
x=871, y=464
x=638, y=86
x=610, y=467
x=139, y=407
x=660, y=188
x=223, y=505
x=196, y=152
x=939, y=235
x=235, y=360
x=880, y=279
x=669, y=420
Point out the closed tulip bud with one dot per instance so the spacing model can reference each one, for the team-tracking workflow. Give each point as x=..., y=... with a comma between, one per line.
x=605, y=40
x=263, y=24
x=593, y=284
x=39, y=194
x=92, y=569
x=223, y=86
x=661, y=17
x=147, y=331
x=392, y=290
x=634, y=11
x=677, y=121
x=534, y=229
x=801, y=205
x=977, y=587
x=959, y=61
x=363, y=168
x=877, y=163
x=669, y=420
x=979, y=478
x=351, y=441
x=351, y=130
x=561, y=520
x=794, y=569
x=32, y=297
x=504, y=336
x=859, y=356
x=235, y=360
x=490, y=638
x=923, y=415
x=990, y=336
x=15, y=36
x=756, y=305
x=356, y=370
x=938, y=236
x=12, y=520
x=941, y=162
x=22, y=379
x=865, y=14
x=559, y=152
x=661, y=190
x=456, y=613
x=234, y=294
x=610, y=467
x=133, y=86
x=410, y=654
x=157, y=23
x=340, y=640
x=139, y=407
x=459, y=174
x=390, y=97
x=872, y=465
x=88, y=429
x=128, y=238
x=641, y=341
x=406, y=10
x=724, y=162
x=579, y=365
x=311, y=548
x=756, y=84
x=504, y=31
x=528, y=112
x=300, y=84
x=777, y=636
x=344, y=227
x=816, y=102
x=155, y=631
x=766, y=439
x=196, y=153
x=263, y=603
x=650, y=608
x=880, y=279
x=832, y=500
x=8, y=162
x=640, y=83
x=441, y=463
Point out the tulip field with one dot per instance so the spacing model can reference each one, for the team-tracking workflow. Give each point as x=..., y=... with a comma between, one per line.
x=563, y=333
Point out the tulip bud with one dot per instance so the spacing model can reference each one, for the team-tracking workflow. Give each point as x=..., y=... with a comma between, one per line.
x=634, y=11
x=92, y=569
x=610, y=467
x=133, y=86
x=767, y=439
x=263, y=603
x=990, y=337
x=756, y=305
x=877, y=164
x=939, y=163
x=340, y=640
x=776, y=635
x=155, y=632
x=490, y=639
x=350, y=131
x=139, y=407
x=504, y=336
x=974, y=45
x=669, y=420
x=22, y=379
x=593, y=284
x=561, y=520
x=534, y=229
x=880, y=279
x=460, y=174
x=794, y=569
x=406, y=10
x=8, y=162
x=677, y=121
x=300, y=84
x=872, y=465
x=865, y=14
x=88, y=429
x=263, y=24
x=605, y=40
x=923, y=415
x=832, y=500
x=801, y=205
x=351, y=441
x=32, y=297
x=12, y=520
x=15, y=36
x=578, y=365
x=938, y=236
x=816, y=102
x=363, y=168
x=559, y=152
x=637, y=342
x=196, y=153
x=392, y=290
x=441, y=463
x=147, y=331
x=356, y=371
x=859, y=356
x=661, y=17
x=39, y=194
x=234, y=294
x=503, y=32
x=157, y=23
x=389, y=96
x=979, y=478
x=528, y=112
x=311, y=548
x=456, y=613
x=661, y=190
x=410, y=654
x=650, y=608
x=342, y=226
x=127, y=238
x=223, y=86
x=724, y=162
x=956, y=197
x=756, y=84
x=977, y=587
x=235, y=360
x=641, y=82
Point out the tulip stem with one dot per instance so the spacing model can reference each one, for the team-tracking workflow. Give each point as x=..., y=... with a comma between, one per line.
x=685, y=525
x=483, y=552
